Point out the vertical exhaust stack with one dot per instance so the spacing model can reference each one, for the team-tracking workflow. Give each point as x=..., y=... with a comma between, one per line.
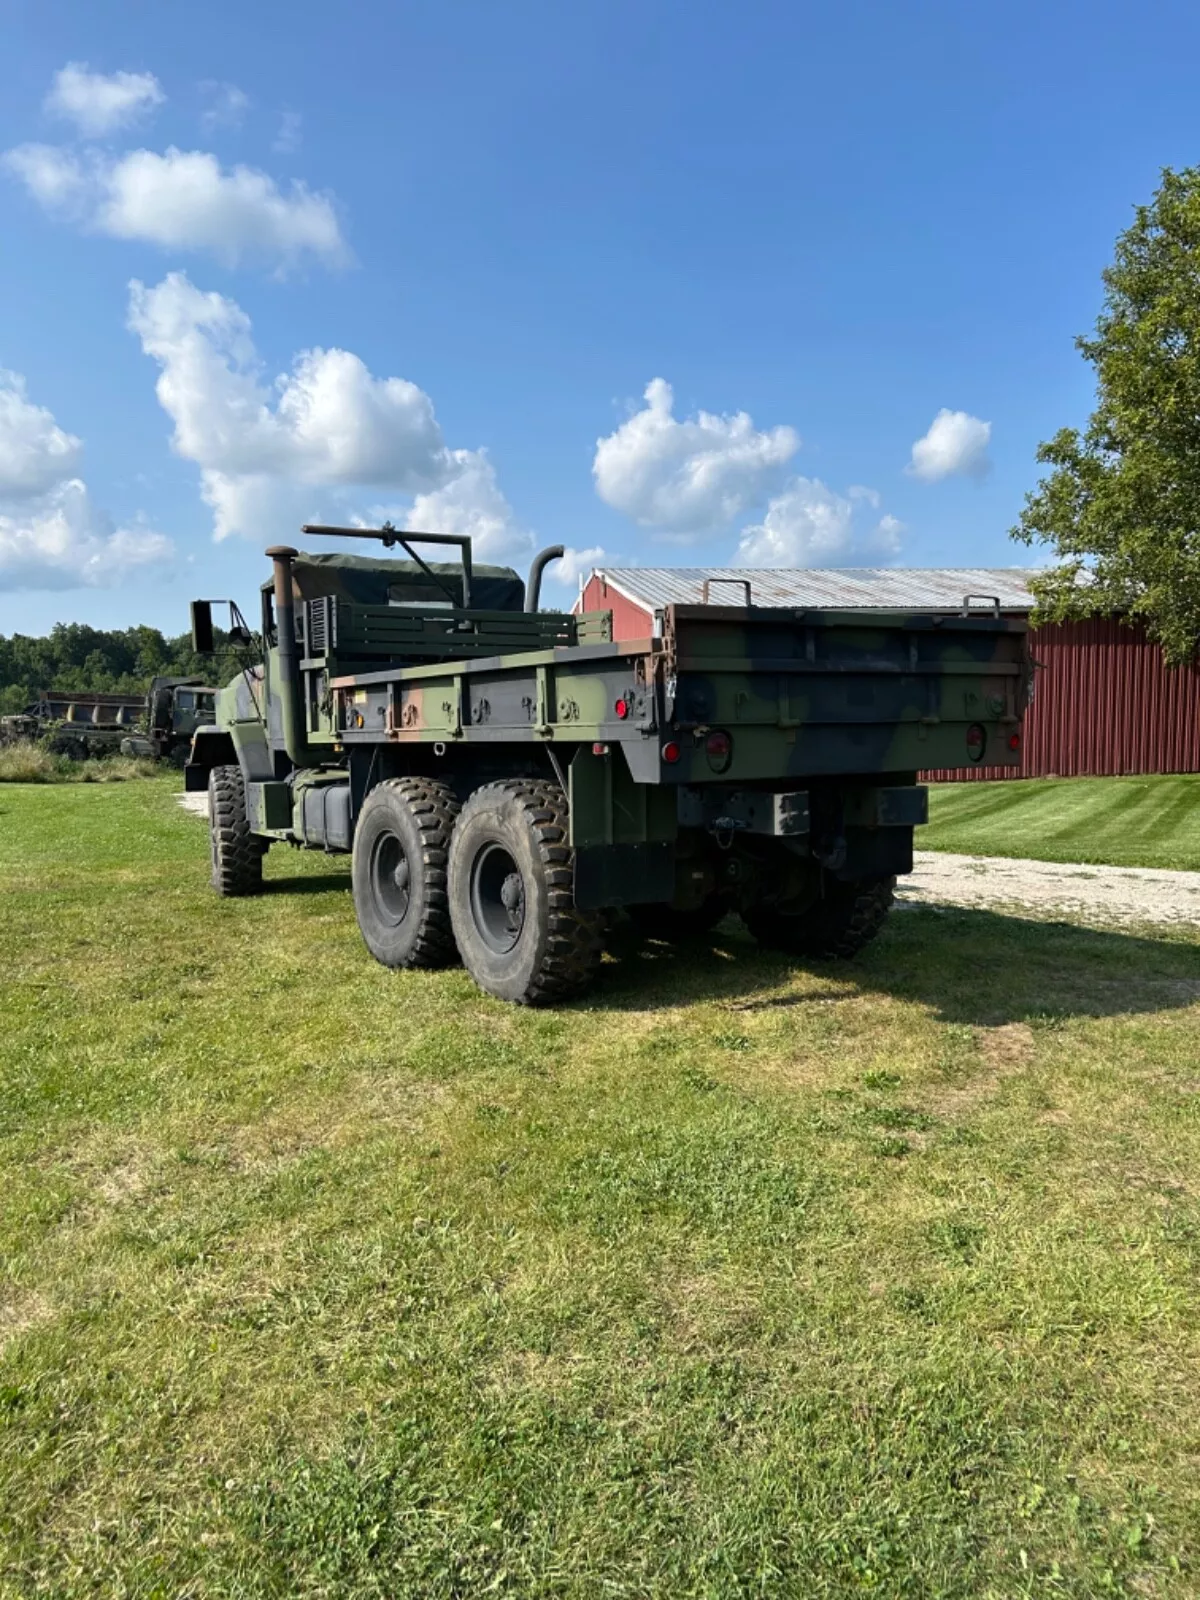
x=291, y=700
x=533, y=589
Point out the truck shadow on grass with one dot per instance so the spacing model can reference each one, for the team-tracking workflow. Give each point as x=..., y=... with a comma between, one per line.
x=311, y=883
x=965, y=966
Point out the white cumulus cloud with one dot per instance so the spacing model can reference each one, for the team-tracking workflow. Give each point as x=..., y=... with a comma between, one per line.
x=811, y=525
x=304, y=447
x=472, y=503
x=52, y=535
x=575, y=565
x=56, y=178
x=956, y=444
x=184, y=200
x=99, y=103
x=35, y=453
x=691, y=476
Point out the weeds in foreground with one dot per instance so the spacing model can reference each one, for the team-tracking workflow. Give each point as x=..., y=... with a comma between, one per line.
x=26, y=762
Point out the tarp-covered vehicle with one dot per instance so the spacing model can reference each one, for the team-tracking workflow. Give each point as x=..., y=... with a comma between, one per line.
x=503, y=776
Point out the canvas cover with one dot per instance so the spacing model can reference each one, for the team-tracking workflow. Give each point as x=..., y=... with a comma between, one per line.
x=369, y=581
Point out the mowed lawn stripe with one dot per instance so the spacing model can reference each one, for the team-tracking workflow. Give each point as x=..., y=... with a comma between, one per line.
x=740, y=1277
x=1151, y=821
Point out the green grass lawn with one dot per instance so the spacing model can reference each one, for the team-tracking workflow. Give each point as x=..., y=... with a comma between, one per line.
x=737, y=1279
x=1123, y=822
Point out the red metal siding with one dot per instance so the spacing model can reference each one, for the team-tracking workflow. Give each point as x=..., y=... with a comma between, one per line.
x=1104, y=705
x=630, y=621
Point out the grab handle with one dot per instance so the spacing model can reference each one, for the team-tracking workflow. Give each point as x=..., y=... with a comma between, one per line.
x=704, y=588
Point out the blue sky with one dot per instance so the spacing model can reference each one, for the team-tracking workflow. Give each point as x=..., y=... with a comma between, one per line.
x=816, y=227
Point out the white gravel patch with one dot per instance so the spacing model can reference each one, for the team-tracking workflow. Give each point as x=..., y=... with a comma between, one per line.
x=197, y=804
x=1080, y=893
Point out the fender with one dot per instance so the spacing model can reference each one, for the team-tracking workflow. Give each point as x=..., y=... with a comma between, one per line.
x=211, y=747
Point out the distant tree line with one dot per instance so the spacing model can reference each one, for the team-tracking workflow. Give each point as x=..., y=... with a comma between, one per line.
x=73, y=656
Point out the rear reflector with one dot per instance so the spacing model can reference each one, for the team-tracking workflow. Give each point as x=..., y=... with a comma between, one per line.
x=671, y=752
x=719, y=749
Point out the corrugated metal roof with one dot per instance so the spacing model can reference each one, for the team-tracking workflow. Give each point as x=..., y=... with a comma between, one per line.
x=881, y=587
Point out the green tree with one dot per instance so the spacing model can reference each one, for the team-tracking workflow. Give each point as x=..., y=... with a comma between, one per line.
x=78, y=658
x=1121, y=507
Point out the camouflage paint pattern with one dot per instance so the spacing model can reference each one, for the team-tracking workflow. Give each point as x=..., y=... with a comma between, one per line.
x=800, y=695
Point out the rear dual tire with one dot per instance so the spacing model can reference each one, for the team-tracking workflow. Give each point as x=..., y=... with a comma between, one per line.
x=840, y=923
x=399, y=872
x=492, y=881
x=512, y=896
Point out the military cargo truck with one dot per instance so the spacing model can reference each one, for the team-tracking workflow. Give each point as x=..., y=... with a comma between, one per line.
x=504, y=777
x=174, y=709
x=158, y=725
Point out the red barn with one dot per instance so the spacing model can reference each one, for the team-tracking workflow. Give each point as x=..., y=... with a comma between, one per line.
x=1104, y=702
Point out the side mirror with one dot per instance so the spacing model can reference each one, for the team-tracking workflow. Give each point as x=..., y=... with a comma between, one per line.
x=202, y=627
x=240, y=636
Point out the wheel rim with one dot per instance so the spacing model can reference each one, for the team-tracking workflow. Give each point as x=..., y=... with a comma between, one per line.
x=390, y=878
x=497, y=898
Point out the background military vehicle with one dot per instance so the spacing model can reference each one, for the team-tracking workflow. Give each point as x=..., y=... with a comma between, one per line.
x=503, y=776
x=158, y=725
x=78, y=725
x=174, y=709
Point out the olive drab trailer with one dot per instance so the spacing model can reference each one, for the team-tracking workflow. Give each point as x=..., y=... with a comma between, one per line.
x=504, y=777
x=76, y=724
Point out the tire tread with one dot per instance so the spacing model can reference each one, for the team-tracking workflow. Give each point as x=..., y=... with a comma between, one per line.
x=574, y=946
x=433, y=806
x=236, y=852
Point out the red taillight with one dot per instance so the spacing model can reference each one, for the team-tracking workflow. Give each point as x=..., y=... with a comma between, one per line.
x=1014, y=741
x=719, y=749
x=671, y=752
x=622, y=709
x=976, y=741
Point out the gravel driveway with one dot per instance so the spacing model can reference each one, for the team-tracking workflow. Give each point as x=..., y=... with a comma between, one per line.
x=1078, y=893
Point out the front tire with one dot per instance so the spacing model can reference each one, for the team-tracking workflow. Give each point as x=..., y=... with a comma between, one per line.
x=840, y=923
x=236, y=852
x=512, y=896
x=398, y=872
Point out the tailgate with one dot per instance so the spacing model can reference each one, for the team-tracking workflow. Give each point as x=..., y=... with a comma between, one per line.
x=845, y=691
